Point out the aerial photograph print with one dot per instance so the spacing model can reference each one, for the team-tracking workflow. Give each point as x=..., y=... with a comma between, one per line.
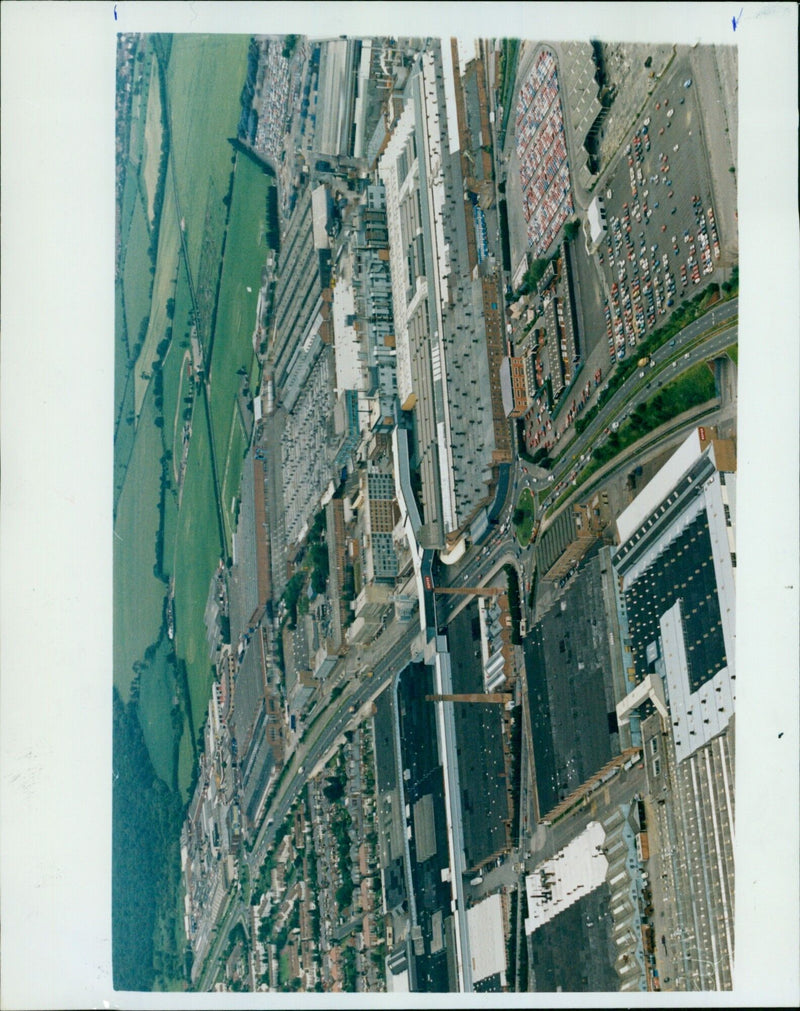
x=424, y=514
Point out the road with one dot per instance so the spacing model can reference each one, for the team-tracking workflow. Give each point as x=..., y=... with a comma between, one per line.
x=312, y=753
x=703, y=338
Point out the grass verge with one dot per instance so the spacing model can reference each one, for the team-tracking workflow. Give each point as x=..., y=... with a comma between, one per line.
x=524, y=517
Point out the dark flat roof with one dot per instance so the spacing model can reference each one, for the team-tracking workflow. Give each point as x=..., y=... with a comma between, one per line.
x=479, y=745
x=575, y=951
x=683, y=571
x=568, y=665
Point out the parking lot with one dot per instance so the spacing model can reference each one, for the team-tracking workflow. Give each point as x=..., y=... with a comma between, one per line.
x=662, y=243
x=542, y=152
x=662, y=236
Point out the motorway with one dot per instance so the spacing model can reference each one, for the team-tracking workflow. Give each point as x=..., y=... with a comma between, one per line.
x=703, y=338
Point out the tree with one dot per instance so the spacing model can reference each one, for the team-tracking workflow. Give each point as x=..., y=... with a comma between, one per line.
x=344, y=894
x=533, y=276
x=334, y=790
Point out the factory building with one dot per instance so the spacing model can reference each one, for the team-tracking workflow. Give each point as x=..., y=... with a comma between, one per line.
x=676, y=567
x=443, y=366
x=676, y=564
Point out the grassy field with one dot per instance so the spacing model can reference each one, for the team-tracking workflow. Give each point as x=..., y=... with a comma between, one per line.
x=177, y=391
x=245, y=253
x=124, y=433
x=527, y=508
x=196, y=553
x=138, y=595
x=130, y=198
x=169, y=245
x=155, y=706
x=204, y=79
x=175, y=384
x=733, y=353
x=153, y=133
x=171, y=519
x=124, y=441
x=136, y=275
x=233, y=455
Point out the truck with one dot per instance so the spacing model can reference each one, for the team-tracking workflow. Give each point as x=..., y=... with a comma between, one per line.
x=643, y=361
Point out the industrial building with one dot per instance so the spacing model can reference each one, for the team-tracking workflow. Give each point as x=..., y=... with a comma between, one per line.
x=588, y=909
x=517, y=394
x=372, y=286
x=430, y=947
x=486, y=808
x=676, y=566
x=676, y=563
x=443, y=364
x=487, y=944
x=574, y=664
x=570, y=536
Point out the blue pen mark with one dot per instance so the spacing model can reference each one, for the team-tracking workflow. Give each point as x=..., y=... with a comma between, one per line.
x=115, y=17
x=735, y=21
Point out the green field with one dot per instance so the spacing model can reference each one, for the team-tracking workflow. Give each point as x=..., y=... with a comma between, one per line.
x=153, y=132
x=155, y=705
x=245, y=254
x=124, y=441
x=138, y=595
x=136, y=276
x=124, y=433
x=130, y=198
x=233, y=455
x=197, y=551
x=167, y=264
x=204, y=79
